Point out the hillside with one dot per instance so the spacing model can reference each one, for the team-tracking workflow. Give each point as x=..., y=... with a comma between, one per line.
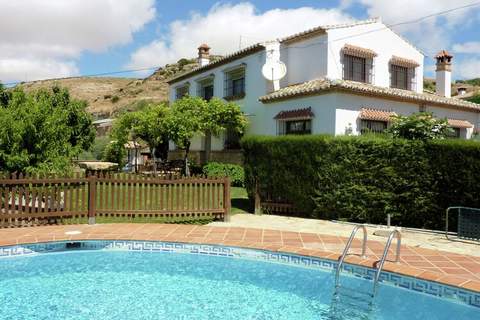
x=471, y=86
x=106, y=97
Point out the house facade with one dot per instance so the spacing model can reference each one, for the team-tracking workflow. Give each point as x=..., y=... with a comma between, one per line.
x=340, y=79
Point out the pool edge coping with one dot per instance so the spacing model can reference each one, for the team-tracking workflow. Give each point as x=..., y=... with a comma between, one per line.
x=409, y=271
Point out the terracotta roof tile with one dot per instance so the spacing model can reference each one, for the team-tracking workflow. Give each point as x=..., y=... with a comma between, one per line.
x=403, y=62
x=456, y=123
x=320, y=86
x=305, y=113
x=376, y=114
x=358, y=51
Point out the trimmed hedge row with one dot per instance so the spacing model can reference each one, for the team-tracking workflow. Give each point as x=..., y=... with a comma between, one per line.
x=222, y=170
x=365, y=178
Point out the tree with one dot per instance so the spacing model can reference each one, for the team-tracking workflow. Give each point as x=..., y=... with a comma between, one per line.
x=184, y=122
x=219, y=116
x=419, y=126
x=147, y=125
x=40, y=132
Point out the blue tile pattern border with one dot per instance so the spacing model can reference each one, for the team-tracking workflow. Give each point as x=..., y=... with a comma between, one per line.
x=423, y=286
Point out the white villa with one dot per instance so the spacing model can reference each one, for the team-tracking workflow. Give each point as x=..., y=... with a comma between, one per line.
x=340, y=79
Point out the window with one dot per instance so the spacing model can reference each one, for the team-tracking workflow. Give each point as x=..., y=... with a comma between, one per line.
x=205, y=89
x=234, y=84
x=357, y=68
x=298, y=127
x=372, y=126
x=402, y=77
x=182, y=91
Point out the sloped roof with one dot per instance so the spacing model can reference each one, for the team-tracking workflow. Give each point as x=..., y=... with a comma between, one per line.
x=320, y=86
x=259, y=46
x=456, y=123
x=324, y=28
x=226, y=59
x=305, y=113
x=376, y=114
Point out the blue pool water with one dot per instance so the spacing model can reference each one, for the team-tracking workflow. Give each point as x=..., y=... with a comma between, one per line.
x=145, y=285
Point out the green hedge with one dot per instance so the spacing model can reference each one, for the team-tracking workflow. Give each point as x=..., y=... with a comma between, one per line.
x=222, y=170
x=365, y=178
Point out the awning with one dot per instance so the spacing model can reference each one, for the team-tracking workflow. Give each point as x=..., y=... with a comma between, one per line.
x=462, y=124
x=403, y=62
x=376, y=114
x=305, y=113
x=358, y=51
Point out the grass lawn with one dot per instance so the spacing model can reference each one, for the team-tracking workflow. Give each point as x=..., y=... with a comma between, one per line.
x=239, y=204
x=239, y=198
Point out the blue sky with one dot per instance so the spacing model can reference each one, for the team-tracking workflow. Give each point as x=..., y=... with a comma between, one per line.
x=78, y=37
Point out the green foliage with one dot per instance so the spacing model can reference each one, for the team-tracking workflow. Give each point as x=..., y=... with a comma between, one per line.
x=218, y=116
x=474, y=99
x=419, y=126
x=473, y=82
x=223, y=170
x=365, y=178
x=115, y=99
x=193, y=115
x=115, y=152
x=40, y=132
x=429, y=85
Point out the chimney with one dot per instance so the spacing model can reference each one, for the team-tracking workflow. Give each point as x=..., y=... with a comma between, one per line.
x=444, y=74
x=203, y=55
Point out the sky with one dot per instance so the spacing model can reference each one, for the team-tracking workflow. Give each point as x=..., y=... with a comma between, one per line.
x=60, y=38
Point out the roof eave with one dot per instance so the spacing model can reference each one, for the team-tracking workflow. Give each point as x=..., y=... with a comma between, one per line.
x=334, y=88
x=227, y=59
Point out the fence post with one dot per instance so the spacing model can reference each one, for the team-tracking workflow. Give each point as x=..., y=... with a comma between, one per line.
x=226, y=199
x=258, y=206
x=92, y=196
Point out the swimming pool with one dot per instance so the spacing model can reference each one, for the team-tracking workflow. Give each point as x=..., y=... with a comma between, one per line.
x=155, y=280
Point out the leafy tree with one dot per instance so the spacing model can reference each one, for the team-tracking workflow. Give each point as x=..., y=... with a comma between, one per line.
x=148, y=125
x=185, y=122
x=193, y=115
x=219, y=116
x=40, y=132
x=419, y=126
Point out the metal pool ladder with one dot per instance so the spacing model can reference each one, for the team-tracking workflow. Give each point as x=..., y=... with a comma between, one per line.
x=347, y=248
x=393, y=234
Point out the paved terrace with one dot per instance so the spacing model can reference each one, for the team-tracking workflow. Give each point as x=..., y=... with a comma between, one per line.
x=441, y=266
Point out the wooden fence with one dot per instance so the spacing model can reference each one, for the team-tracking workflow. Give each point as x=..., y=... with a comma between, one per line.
x=29, y=201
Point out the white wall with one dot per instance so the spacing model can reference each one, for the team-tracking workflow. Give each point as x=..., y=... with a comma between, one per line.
x=306, y=60
x=323, y=107
x=349, y=106
x=378, y=38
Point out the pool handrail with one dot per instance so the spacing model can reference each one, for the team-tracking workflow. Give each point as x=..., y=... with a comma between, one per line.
x=393, y=234
x=347, y=248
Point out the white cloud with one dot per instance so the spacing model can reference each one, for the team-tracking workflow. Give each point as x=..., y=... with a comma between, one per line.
x=44, y=38
x=12, y=69
x=467, y=69
x=472, y=47
x=432, y=34
x=226, y=27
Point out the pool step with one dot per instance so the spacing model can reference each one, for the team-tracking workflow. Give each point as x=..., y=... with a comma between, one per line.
x=350, y=303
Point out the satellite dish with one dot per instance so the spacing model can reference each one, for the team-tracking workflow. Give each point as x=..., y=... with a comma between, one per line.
x=274, y=71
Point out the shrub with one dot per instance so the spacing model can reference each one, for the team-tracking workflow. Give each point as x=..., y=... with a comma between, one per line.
x=115, y=99
x=222, y=170
x=365, y=178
